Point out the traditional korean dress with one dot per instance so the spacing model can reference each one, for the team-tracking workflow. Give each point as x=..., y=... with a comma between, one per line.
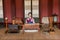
x=30, y=20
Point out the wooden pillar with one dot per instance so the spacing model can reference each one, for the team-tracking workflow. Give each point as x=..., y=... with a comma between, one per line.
x=39, y=11
x=59, y=12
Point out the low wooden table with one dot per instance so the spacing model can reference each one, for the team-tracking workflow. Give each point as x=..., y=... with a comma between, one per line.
x=34, y=26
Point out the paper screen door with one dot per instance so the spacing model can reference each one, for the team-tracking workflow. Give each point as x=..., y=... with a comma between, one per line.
x=33, y=7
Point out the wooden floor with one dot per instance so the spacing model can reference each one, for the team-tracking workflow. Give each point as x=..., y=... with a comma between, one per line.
x=30, y=36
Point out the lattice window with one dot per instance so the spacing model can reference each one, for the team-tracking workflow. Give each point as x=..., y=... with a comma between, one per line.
x=31, y=6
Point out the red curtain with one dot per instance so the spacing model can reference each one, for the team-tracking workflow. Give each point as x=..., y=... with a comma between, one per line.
x=13, y=9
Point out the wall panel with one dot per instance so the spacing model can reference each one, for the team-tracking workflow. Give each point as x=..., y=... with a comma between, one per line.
x=50, y=7
x=20, y=8
x=43, y=8
x=7, y=9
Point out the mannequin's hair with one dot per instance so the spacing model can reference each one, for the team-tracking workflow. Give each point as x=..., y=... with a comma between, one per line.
x=29, y=13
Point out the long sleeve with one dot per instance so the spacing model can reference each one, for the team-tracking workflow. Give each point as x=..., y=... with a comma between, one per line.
x=26, y=21
x=33, y=21
x=30, y=20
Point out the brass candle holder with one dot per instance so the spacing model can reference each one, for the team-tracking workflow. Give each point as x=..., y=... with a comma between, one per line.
x=6, y=23
x=51, y=25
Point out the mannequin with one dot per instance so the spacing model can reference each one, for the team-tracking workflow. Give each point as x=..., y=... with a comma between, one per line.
x=30, y=19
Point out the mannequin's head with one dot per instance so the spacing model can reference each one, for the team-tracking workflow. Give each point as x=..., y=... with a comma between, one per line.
x=30, y=14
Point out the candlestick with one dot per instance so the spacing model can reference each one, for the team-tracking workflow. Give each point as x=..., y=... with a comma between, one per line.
x=6, y=23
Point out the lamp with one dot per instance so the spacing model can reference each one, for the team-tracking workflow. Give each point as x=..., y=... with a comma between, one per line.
x=55, y=19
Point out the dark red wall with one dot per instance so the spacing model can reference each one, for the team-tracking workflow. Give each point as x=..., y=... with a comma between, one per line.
x=7, y=9
x=43, y=8
x=13, y=8
x=49, y=7
x=46, y=8
x=56, y=8
x=19, y=8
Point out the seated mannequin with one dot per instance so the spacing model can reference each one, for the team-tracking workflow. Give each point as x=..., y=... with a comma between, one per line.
x=30, y=19
x=30, y=23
